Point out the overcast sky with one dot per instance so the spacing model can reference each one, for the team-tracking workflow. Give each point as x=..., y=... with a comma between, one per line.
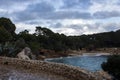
x=71, y=17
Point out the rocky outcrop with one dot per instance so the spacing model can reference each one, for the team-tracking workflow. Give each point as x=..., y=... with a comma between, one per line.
x=70, y=72
x=103, y=75
x=25, y=53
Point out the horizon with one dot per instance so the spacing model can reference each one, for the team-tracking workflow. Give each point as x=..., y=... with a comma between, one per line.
x=75, y=17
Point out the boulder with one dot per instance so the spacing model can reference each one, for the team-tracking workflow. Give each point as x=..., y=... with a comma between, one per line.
x=25, y=54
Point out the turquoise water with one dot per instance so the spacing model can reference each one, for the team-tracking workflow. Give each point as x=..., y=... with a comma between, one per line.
x=91, y=63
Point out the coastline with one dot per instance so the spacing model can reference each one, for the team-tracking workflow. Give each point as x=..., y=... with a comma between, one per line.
x=63, y=70
x=35, y=66
x=99, y=51
x=31, y=65
x=80, y=55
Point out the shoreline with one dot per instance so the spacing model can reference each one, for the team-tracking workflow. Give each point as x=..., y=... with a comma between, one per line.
x=48, y=65
x=80, y=55
x=101, y=51
x=63, y=70
x=66, y=71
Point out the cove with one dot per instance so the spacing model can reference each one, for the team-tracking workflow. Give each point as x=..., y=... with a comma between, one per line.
x=88, y=62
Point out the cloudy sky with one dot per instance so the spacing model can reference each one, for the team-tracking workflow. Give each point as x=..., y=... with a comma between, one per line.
x=71, y=17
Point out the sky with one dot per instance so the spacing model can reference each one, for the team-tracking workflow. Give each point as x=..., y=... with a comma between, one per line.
x=70, y=17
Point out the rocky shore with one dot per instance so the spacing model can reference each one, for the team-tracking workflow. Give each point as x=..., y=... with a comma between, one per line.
x=99, y=51
x=67, y=72
x=12, y=73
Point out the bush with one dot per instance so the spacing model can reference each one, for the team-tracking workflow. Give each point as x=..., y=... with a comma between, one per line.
x=112, y=66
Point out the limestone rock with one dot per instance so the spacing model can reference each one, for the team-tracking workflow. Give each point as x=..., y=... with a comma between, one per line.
x=25, y=53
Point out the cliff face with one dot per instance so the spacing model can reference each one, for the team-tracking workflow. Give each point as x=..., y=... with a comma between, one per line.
x=70, y=72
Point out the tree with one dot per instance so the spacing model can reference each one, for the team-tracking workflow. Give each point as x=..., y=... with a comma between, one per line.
x=5, y=36
x=7, y=31
x=8, y=25
x=26, y=36
x=43, y=31
x=112, y=66
x=24, y=32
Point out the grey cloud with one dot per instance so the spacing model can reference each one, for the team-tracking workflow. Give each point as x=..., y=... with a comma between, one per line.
x=23, y=16
x=57, y=25
x=35, y=11
x=41, y=11
x=106, y=14
x=76, y=26
x=54, y=24
x=8, y=3
x=77, y=4
x=40, y=7
x=33, y=22
x=118, y=3
x=114, y=2
x=100, y=1
x=67, y=15
x=112, y=27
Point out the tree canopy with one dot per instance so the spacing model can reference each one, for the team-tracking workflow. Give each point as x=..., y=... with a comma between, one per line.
x=7, y=24
x=4, y=35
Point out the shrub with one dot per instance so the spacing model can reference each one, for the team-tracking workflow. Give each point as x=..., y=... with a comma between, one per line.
x=112, y=66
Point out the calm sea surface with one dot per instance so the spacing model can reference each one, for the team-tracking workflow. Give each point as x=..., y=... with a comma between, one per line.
x=91, y=63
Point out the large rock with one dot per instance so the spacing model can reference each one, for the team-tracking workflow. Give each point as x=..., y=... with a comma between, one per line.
x=25, y=54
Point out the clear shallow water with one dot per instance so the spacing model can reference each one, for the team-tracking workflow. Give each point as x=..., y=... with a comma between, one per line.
x=91, y=63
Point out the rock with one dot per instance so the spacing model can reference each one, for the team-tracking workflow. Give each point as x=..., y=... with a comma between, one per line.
x=104, y=75
x=25, y=54
x=40, y=57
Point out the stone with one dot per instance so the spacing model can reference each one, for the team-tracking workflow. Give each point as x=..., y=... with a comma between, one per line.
x=25, y=53
x=104, y=75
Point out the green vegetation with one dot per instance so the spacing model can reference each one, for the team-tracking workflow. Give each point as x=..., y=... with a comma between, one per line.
x=8, y=25
x=112, y=66
x=44, y=38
